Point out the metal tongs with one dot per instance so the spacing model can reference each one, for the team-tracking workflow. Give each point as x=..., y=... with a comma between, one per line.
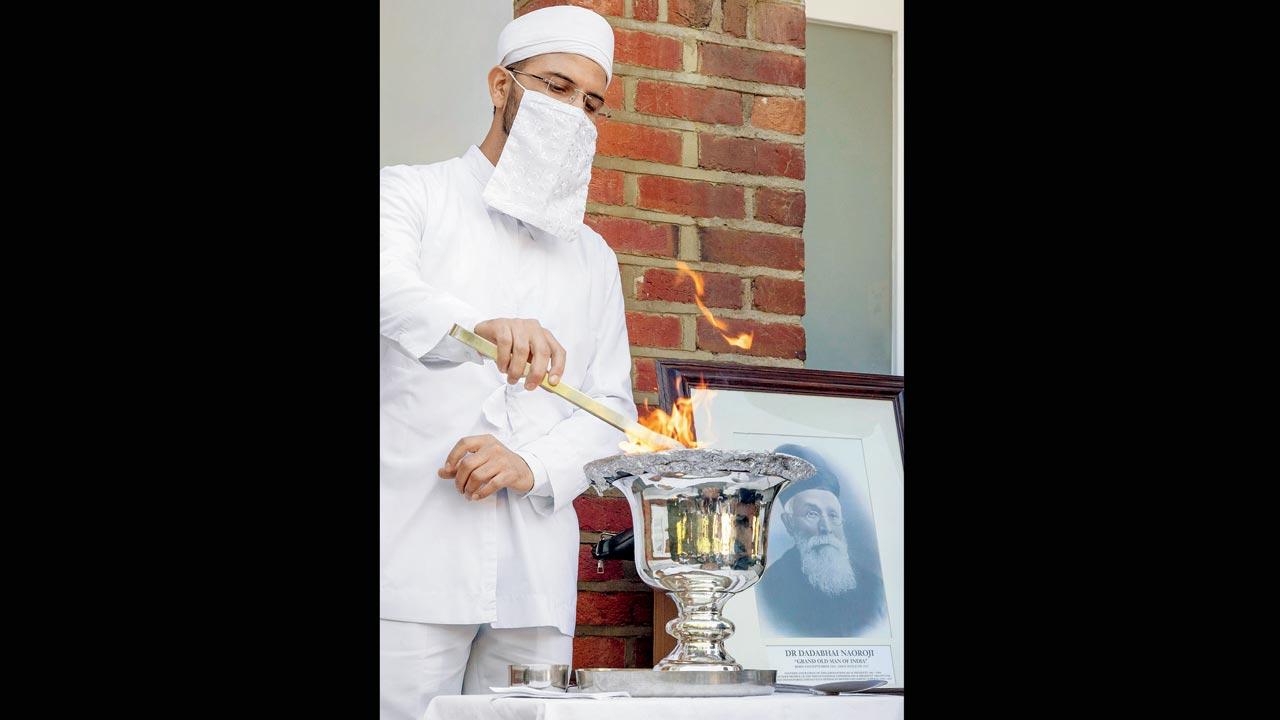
x=572, y=394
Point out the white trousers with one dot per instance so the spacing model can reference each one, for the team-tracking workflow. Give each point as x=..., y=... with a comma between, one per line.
x=420, y=661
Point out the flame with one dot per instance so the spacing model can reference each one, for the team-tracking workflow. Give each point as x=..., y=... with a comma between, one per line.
x=742, y=340
x=677, y=424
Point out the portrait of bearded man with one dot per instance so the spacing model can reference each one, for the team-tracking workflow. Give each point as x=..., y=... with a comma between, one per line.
x=825, y=585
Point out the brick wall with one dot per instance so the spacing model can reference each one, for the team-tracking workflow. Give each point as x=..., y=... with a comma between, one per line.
x=701, y=161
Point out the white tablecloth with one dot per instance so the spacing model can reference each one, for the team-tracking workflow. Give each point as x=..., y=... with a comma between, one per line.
x=779, y=706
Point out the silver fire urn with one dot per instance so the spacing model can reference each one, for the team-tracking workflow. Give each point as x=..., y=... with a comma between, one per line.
x=701, y=524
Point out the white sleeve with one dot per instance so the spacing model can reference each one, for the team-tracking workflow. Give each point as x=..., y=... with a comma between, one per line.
x=412, y=314
x=557, y=457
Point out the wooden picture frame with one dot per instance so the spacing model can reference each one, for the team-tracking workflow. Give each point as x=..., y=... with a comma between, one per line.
x=678, y=379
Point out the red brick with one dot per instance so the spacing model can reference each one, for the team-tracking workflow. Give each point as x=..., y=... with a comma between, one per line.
x=613, y=569
x=635, y=237
x=778, y=295
x=778, y=113
x=604, y=7
x=644, y=9
x=605, y=187
x=602, y=514
x=633, y=47
x=780, y=24
x=720, y=289
x=758, y=157
x=709, y=105
x=646, y=375
x=769, y=339
x=740, y=247
x=780, y=206
x=689, y=13
x=647, y=330
x=735, y=17
x=753, y=65
x=594, y=651
x=638, y=142
x=690, y=197
x=614, y=608
x=615, y=96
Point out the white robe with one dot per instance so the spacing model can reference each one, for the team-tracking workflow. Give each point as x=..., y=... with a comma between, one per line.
x=509, y=559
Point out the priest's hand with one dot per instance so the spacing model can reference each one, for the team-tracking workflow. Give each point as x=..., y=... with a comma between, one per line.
x=522, y=341
x=480, y=465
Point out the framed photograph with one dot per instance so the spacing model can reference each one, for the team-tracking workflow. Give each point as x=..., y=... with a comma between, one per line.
x=830, y=604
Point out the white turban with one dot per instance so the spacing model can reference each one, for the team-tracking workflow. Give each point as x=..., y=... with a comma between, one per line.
x=560, y=29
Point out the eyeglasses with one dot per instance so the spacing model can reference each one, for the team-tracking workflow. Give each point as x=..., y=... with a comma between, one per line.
x=592, y=103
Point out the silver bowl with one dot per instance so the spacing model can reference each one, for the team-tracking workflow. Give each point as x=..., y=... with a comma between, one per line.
x=701, y=524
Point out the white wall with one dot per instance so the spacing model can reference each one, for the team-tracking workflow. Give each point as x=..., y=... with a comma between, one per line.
x=848, y=227
x=885, y=16
x=434, y=56
x=899, y=219
x=869, y=14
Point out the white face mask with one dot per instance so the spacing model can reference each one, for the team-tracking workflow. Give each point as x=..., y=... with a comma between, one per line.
x=545, y=166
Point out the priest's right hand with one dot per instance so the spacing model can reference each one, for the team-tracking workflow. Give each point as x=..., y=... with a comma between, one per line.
x=523, y=341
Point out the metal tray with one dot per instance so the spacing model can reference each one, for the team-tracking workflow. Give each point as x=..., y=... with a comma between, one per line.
x=677, y=683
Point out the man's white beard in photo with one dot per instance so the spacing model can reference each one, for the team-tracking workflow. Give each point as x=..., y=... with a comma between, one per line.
x=824, y=560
